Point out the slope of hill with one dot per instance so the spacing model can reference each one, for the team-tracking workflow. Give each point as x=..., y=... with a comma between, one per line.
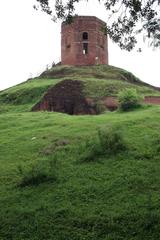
x=98, y=82
x=59, y=180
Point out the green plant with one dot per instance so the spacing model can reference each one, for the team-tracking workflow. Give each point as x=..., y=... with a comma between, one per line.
x=129, y=99
x=99, y=107
x=89, y=150
x=111, y=140
x=37, y=173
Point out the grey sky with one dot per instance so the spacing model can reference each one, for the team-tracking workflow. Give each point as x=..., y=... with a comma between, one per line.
x=30, y=40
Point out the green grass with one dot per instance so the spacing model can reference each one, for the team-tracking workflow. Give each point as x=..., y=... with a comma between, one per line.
x=99, y=81
x=98, y=88
x=54, y=185
x=113, y=197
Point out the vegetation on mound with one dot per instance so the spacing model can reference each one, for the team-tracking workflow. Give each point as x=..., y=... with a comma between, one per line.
x=98, y=71
x=116, y=196
x=129, y=99
x=99, y=81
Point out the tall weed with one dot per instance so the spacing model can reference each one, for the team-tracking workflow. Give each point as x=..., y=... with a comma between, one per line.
x=111, y=140
x=39, y=172
x=108, y=141
x=89, y=151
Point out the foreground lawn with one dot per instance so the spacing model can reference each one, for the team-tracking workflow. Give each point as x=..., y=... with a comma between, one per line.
x=110, y=197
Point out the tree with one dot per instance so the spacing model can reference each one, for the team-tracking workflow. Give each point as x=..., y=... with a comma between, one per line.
x=127, y=18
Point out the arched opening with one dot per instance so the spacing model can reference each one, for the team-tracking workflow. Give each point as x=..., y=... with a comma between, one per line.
x=85, y=36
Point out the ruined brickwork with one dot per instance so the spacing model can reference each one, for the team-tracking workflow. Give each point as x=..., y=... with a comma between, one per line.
x=83, y=42
x=68, y=97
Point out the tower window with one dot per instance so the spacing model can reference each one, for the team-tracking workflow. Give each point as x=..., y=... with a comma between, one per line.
x=68, y=46
x=85, y=48
x=85, y=36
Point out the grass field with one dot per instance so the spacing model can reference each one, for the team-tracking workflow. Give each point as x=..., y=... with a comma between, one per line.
x=113, y=196
x=57, y=181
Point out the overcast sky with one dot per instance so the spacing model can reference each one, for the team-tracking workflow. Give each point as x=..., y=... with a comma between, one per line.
x=29, y=41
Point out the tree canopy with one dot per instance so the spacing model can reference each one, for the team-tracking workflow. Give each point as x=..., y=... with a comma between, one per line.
x=127, y=18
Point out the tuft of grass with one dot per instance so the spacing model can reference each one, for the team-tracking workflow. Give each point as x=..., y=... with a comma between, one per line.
x=100, y=107
x=37, y=173
x=108, y=141
x=89, y=151
x=111, y=140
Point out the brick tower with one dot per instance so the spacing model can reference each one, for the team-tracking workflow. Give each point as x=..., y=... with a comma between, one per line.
x=83, y=42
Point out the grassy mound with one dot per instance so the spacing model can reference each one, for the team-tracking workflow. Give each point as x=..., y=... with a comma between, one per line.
x=68, y=177
x=98, y=81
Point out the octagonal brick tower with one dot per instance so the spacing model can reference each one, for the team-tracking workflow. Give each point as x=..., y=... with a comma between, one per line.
x=83, y=42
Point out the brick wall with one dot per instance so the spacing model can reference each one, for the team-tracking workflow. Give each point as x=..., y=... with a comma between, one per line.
x=152, y=100
x=72, y=42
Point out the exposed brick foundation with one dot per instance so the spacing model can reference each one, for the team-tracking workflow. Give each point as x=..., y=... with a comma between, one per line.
x=112, y=102
x=68, y=97
x=152, y=100
x=83, y=42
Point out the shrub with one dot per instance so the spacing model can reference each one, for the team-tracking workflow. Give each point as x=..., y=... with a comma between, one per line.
x=99, y=107
x=34, y=174
x=129, y=99
x=89, y=150
x=108, y=142
x=111, y=140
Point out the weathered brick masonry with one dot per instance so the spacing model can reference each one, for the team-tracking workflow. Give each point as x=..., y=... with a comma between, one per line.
x=67, y=97
x=83, y=42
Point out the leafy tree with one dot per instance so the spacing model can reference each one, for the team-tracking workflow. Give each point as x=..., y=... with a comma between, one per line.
x=127, y=18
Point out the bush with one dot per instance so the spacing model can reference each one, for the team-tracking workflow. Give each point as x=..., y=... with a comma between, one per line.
x=37, y=173
x=89, y=151
x=107, y=142
x=111, y=141
x=129, y=99
x=100, y=107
